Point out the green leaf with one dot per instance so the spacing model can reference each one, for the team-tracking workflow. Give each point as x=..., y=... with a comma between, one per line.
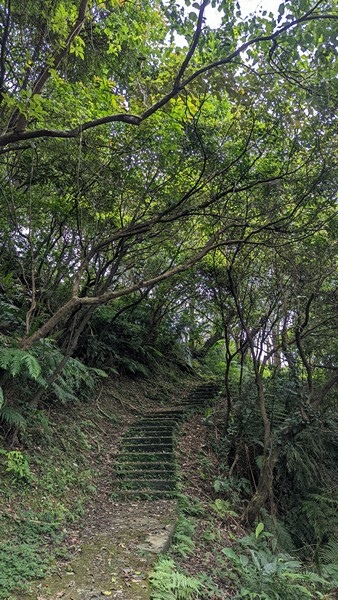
x=230, y=553
x=192, y=16
x=259, y=529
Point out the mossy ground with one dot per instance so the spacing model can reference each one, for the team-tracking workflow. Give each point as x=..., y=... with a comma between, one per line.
x=57, y=513
x=114, y=558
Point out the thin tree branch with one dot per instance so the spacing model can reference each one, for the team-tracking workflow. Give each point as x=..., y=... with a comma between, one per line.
x=5, y=33
x=57, y=58
x=138, y=119
x=18, y=118
x=193, y=46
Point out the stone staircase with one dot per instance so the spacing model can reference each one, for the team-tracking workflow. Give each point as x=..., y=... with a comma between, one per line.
x=145, y=468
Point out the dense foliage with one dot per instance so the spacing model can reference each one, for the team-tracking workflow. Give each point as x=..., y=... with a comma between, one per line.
x=167, y=186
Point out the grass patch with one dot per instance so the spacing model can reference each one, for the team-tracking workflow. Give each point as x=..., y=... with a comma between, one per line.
x=45, y=485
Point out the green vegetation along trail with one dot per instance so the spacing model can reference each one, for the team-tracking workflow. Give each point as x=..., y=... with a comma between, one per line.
x=115, y=560
x=118, y=550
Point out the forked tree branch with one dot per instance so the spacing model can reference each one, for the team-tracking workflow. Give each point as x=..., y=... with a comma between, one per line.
x=178, y=85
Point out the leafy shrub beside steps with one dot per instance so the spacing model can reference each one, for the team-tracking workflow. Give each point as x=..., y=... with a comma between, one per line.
x=167, y=583
x=32, y=372
x=261, y=574
x=16, y=465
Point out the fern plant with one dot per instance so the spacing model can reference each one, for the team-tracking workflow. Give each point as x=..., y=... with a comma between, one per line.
x=183, y=538
x=23, y=364
x=75, y=380
x=167, y=583
x=328, y=558
x=262, y=574
x=13, y=418
x=17, y=361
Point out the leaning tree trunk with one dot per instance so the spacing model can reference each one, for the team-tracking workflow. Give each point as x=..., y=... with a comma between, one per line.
x=264, y=491
x=71, y=346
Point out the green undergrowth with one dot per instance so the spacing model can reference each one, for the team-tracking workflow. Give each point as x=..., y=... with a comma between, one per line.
x=216, y=555
x=45, y=483
x=212, y=556
x=54, y=470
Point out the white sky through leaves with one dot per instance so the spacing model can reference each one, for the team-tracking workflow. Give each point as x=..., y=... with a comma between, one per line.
x=247, y=7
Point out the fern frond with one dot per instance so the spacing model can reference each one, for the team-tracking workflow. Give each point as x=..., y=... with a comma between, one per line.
x=170, y=584
x=99, y=372
x=134, y=367
x=17, y=361
x=329, y=553
x=63, y=394
x=32, y=365
x=16, y=365
x=12, y=417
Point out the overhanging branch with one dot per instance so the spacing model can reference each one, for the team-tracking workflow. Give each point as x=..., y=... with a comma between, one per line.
x=178, y=85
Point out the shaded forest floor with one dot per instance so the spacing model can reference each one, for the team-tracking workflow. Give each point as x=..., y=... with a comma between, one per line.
x=62, y=514
x=63, y=533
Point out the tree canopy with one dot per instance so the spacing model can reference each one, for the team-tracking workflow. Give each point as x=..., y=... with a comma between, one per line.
x=172, y=183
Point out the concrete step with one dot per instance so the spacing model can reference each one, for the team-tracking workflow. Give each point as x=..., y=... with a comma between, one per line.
x=158, y=431
x=135, y=495
x=162, y=420
x=146, y=484
x=157, y=423
x=147, y=474
x=147, y=439
x=147, y=447
x=161, y=457
x=146, y=467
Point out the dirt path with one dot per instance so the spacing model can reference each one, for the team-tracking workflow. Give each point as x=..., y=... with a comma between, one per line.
x=115, y=556
x=118, y=543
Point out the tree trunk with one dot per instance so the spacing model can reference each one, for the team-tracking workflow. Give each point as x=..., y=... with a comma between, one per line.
x=264, y=491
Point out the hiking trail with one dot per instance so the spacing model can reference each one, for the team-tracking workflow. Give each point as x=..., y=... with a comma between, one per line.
x=117, y=553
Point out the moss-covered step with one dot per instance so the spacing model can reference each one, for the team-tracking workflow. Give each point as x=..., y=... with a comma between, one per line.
x=148, y=474
x=147, y=441
x=148, y=433
x=159, y=421
x=148, y=446
x=145, y=484
x=147, y=465
x=136, y=495
x=145, y=468
x=159, y=457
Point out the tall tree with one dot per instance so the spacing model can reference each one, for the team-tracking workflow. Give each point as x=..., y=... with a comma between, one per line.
x=126, y=157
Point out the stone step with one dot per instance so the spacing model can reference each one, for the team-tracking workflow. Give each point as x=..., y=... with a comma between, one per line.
x=149, y=432
x=146, y=484
x=160, y=457
x=164, y=420
x=144, y=495
x=156, y=447
x=157, y=423
x=153, y=423
x=147, y=474
x=147, y=439
x=146, y=466
x=164, y=413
